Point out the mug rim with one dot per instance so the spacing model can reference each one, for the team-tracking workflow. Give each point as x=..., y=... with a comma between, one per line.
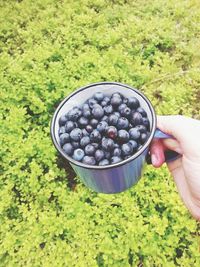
x=123, y=162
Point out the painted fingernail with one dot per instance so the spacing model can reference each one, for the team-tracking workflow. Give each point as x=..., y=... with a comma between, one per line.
x=153, y=159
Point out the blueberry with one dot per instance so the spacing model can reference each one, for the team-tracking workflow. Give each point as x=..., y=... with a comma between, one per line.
x=62, y=120
x=107, y=100
x=69, y=126
x=126, y=112
x=108, y=109
x=117, y=114
x=115, y=159
x=123, y=136
x=143, y=138
x=134, y=144
x=107, y=155
x=76, y=134
x=125, y=100
x=89, y=150
x=87, y=113
x=99, y=96
x=145, y=122
x=136, y=118
x=85, y=107
x=99, y=155
x=82, y=122
x=122, y=123
x=78, y=154
x=127, y=149
x=133, y=102
x=116, y=145
x=116, y=95
x=117, y=152
x=89, y=128
x=95, y=145
x=95, y=136
x=113, y=119
x=68, y=149
x=75, y=144
x=134, y=133
x=141, y=128
x=107, y=144
x=85, y=141
x=85, y=132
x=89, y=160
x=102, y=126
x=91, y=102
x=74, y=114
x=64, y=138
x=116, y=101
x=111, y=132
x=105, y=118
x=103, y=162
x=97, y=112
x=121, y=107
x=93, y=123
x=103, y=103
x=142, y=112
x=61, y=130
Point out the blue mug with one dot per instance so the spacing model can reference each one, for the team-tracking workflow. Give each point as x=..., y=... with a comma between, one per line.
x=120, y=176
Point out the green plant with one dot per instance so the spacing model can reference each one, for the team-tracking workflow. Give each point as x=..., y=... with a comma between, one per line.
x=50, y=48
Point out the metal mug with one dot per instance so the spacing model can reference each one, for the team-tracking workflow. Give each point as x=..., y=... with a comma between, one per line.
x=120, y=176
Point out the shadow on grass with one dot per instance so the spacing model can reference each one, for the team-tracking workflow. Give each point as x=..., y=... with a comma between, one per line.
x=70, y=174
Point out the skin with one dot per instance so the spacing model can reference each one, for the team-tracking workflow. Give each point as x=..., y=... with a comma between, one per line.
x=185, y=170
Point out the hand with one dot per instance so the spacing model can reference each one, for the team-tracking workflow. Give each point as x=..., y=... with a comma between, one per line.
x=185, y=170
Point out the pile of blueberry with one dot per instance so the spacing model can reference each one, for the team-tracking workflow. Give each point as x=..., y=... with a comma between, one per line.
x=104, y=130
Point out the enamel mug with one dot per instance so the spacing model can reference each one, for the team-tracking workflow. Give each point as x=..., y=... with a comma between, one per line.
x=120, y=176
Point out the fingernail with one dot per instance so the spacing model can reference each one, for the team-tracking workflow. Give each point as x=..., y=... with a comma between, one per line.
x=153, y=159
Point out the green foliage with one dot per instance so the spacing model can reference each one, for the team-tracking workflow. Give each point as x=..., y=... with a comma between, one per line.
x=48, y=49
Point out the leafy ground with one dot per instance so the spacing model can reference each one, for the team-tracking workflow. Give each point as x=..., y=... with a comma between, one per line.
x=48, y=49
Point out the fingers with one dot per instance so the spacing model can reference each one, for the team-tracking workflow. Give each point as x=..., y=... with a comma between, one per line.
x=172, y=144
x=174, y=125
x=157, y=153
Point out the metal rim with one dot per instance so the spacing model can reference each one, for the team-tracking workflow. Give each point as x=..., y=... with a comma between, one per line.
x=80, y=164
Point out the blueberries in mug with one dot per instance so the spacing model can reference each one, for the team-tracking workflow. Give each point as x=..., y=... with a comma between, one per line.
x=69, y=126
x=99, y=155
x=98, y=96
x=89, y=160
x=102, y=126
x=78, y=154
x=62, y=120
x=111, y=132
x=89, y=150
x=68, y=149
x=123, y=136
x=76, y=134
x=61, y=130
x=95, y=136
x=122, y=123
x=108, y=109
x=104, y=130
x=115, y=159
x=85, y=141
x=133, y=102
x=64, y=138
x=134, y=133
x=103, y=162
x=97, y=112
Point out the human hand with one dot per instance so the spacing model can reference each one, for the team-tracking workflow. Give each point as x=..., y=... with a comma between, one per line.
x=185, y=170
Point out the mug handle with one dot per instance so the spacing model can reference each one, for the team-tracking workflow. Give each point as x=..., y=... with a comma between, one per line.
x=169, y=154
